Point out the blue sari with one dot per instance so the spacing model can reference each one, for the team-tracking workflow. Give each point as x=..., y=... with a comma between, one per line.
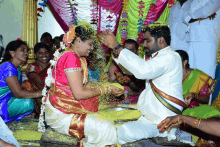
x=12, y=108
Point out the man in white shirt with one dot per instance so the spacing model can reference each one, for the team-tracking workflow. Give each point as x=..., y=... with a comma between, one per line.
x=162, y=96
x=6, y=136
x=178, y=29
x=203, y=20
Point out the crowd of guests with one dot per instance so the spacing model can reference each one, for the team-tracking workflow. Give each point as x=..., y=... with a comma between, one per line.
x=169, y=87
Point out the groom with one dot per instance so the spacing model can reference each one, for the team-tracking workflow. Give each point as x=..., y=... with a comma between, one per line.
x=162, y=71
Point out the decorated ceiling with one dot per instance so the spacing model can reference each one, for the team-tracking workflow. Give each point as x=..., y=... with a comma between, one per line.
x=125, y=18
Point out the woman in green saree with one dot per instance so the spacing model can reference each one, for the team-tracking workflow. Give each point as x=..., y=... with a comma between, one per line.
x=196, y=84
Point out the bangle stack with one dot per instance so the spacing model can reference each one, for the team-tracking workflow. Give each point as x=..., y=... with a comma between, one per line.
x=199, y=122
x=105, y=89
x=194, y=124
x=101, y=91
x=195, y=96
x=109, y=89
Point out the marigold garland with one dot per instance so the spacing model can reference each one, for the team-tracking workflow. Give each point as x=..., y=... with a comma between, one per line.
x=69, y=36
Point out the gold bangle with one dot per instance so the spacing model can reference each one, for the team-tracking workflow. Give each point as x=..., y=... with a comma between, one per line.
x=199, y=122
x=194, y=124
x=178, y=119
x=100, y=91
x=109, y=89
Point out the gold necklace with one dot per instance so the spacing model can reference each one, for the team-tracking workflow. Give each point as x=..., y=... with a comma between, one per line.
x=41, y=66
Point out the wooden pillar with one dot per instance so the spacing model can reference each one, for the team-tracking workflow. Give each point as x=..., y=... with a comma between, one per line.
x=29, y=31
x=218, y=54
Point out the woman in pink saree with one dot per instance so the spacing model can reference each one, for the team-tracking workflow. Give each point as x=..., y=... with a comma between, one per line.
x=71, y=99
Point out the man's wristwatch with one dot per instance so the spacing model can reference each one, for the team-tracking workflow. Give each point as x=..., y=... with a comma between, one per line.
x=116, y=48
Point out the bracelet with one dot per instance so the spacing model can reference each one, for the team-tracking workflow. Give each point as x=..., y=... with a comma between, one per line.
x=100, y=91
x=106, y=89
x=194, y=124
x=199, y=122
x=195, y=96
x=184, y=121
x=178, y=119
x=109, y=89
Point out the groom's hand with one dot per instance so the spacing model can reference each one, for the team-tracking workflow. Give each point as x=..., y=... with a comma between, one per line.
x=108, y=39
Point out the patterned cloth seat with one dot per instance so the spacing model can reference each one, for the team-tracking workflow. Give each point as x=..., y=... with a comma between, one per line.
x=53, y=138
x=25, y=131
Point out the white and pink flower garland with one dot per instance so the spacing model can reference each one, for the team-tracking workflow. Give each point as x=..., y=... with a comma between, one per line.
x=48, y=81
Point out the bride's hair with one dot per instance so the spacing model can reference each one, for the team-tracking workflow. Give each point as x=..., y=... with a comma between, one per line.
x=85, y=32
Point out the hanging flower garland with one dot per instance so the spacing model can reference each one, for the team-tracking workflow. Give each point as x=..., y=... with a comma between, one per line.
x=41, y=9
x=109, y=20
x=124, y=21
x=155, y=11
x=140, y=26
x=137, y=12
x=94, y=14
x=74, y=13
x=109, y=14
x=140, y=21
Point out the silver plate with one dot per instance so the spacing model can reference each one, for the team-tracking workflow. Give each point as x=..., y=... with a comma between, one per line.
x=120, y=108
x=121, y=121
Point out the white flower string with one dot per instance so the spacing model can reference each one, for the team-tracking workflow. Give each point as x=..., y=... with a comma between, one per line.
x=68, y=38
x=48, y=81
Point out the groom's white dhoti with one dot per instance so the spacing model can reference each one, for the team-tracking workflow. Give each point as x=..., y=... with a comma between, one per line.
x=165, y=71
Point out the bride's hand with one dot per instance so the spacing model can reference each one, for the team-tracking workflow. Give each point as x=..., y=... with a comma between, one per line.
x=117, y=91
